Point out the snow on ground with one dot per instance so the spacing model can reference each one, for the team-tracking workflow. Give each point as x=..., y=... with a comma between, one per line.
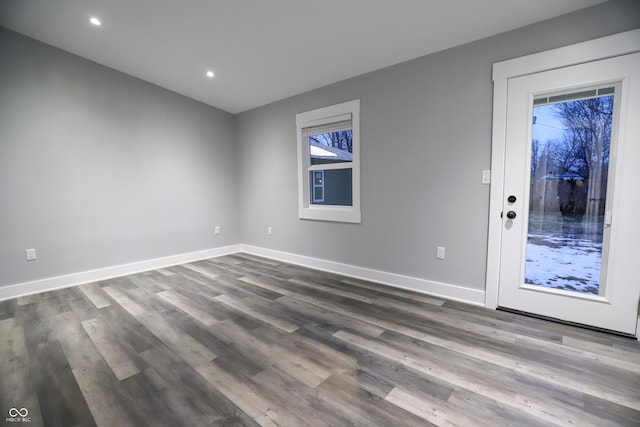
x=563, y=263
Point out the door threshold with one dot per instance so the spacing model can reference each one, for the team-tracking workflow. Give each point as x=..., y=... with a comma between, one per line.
x=566, y=322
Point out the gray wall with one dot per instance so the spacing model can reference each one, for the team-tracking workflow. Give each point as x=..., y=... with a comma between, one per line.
x=99, y=169
x=425, y=138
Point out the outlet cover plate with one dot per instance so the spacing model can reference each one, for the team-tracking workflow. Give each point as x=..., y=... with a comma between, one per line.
x=31, y=254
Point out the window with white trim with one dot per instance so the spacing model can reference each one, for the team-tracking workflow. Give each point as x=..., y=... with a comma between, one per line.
x=329, y=163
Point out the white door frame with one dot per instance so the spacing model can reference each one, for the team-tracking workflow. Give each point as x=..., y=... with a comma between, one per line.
x=606, y=47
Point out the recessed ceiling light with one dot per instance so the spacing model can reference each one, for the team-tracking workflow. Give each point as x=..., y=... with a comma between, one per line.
x=95, y=21
x=210, y=74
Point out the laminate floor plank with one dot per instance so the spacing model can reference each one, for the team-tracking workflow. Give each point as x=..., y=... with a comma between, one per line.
x=494, y=352
x=185, y=391
x=586, y=377
x=314, y=297
x=344, y=394
x=255, y=310
x=95, y=294
x=123, y=363
x=507, y=323
x=222, y=312
x=184, y=345
x=124, y=282
x=396, y=292
x=187, y=273
x=526, y=344
x=165, y=272
x=546, y=401
x=81, y=306
x=318, y=315
x=246, y=291
x=268, y=353
x=256, y=290
x=152, y=281
x=607, y=410
x=226, y=284
x=242, y=340
x=33, y=310
x=603, y=350
x=381, y=375
x=125, y=301
x=97, y=382
x=301, y=400
x=8, y=308
x=214, y=279
x=188, y=306
x=362, y=293
x=256, y=260
x=226, y=312
x=60, y=399
x=319, y=287
x=17, y=390
x=201, y=269
x=457, y=410
x=227, y=352
x=78, y=348
x=532, y=324
x=185, y=284
x=259, y=406
x=128, y=330
x=150, y=395
x=313, y=351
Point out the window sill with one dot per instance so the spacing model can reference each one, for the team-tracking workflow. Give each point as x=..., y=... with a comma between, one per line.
x=331, y=213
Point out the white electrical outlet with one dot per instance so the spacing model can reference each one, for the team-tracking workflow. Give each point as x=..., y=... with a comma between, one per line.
x=269, y=231
x=217, y=229
x=440, y=252
x=31, y=254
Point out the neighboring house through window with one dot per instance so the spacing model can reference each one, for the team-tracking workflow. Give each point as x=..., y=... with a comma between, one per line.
x=329, y=163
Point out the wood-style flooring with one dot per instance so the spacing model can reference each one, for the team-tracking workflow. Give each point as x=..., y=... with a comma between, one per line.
x=245, y=341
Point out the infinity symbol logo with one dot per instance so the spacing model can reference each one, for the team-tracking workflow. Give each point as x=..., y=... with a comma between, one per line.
x=22, y=412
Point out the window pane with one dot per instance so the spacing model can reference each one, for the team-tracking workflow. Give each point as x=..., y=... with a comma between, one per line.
x=331, y=147
x=569, y=177
x=333, y=189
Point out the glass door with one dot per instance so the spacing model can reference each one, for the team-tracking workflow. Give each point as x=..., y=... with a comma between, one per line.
x=566, y=235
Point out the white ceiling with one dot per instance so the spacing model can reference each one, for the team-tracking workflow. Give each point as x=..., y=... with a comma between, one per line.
x=265, y=50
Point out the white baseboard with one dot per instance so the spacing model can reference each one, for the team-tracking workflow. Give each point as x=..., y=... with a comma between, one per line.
x=443, y=290
x=59, y=282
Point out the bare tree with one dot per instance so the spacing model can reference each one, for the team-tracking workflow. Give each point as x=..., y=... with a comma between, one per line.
x=583, y=153
x=342, y=140
x=586, y=143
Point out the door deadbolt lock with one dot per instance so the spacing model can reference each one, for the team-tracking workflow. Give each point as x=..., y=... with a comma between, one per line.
x=511, y=199
x=511, y=214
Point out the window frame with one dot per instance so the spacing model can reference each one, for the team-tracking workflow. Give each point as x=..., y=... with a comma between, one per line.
x=321, y=116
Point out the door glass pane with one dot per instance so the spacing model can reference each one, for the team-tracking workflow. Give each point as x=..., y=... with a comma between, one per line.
x=570, y=148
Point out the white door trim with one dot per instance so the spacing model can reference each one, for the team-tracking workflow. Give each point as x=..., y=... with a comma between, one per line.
x=593, y=50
